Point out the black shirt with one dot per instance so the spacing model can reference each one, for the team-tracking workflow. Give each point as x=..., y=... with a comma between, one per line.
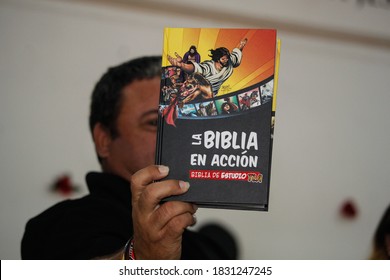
x=97, y=225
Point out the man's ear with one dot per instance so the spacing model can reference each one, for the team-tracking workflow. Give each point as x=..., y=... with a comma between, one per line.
x=102, y=139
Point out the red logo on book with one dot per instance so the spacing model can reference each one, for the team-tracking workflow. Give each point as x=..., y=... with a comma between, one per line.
x=249, y=176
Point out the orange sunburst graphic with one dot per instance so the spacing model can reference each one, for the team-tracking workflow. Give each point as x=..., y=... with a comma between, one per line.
x=258, y=55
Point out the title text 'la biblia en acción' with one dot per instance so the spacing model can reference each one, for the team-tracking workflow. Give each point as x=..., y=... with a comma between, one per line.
x=225, y=140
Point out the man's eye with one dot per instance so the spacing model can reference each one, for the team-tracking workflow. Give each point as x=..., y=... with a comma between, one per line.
x=152, y=122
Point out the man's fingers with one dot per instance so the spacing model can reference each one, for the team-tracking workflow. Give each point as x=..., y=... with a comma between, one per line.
x=144, y=177
x=170, y=210
x=152, y=195
x=176, y=225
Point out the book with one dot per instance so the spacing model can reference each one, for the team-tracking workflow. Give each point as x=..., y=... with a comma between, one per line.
x=217, y=114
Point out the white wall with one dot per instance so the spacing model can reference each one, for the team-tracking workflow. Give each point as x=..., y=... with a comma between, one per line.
x=332, y=125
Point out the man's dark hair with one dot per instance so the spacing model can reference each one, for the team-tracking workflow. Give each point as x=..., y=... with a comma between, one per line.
x=382, y=230
x=193, y=48
x=218, y=53
x=107, y=95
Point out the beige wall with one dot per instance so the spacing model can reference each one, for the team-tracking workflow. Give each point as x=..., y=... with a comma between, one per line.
x=332, y=124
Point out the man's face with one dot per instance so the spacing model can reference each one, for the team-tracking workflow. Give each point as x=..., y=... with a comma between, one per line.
x=134, y=148
x=224, y=60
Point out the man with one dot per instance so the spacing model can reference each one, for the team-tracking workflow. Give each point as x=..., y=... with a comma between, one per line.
x=381, y=239
x=191, y=55
x=114, y=222
x=218, y=69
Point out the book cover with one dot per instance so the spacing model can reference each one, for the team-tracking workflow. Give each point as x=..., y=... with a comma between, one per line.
x=216, y=114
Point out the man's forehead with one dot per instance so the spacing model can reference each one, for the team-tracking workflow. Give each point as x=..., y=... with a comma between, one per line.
x=143, y=88
x=141, y=95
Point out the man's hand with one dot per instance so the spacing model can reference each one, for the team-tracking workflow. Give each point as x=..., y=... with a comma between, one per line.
x=158, y=228
x=178, y=61
x=242, y=44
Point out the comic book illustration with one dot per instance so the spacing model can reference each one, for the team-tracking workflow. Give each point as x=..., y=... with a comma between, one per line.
x=217, y=113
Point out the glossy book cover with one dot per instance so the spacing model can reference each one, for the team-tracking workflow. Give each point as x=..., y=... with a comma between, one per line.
x=216, y=114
